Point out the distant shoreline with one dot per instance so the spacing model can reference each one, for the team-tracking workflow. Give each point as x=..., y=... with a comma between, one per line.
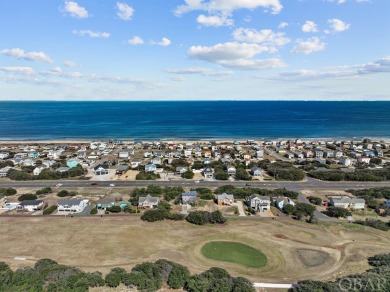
x=184, y=140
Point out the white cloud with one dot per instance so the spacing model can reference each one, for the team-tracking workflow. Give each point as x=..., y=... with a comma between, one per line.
x=378, y=66
x=92, y=34
x=265, y=36
x=75, y=10
x=308, y=46
x=309, y=26
x=282, y=25
x=18, y=70
x=31, y=56
x=136, y=40
x=215, y=20
x=57, y=70
x=125, y=11
x=344, y=1
x=236, y=55
x=164, y=42
x=70, y=64
x=200, y=71
x=227, y=6
x=338, y=25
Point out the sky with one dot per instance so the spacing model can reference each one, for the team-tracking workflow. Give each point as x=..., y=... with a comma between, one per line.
x=195, y=50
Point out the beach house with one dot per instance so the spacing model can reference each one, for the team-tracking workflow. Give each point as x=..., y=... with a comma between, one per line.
x=101, y=169
x=280, y=202
x=188, y=197
x=30, y=205
x=259, y=203
x=347, y=202
x=71, y=205
x=148, y=202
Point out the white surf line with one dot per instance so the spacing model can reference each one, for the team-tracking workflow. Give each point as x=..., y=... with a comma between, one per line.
x=271, y=285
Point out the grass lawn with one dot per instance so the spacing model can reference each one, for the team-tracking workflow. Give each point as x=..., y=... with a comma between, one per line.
x=234, y=252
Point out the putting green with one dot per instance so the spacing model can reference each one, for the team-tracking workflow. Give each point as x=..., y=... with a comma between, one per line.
x=234, y=252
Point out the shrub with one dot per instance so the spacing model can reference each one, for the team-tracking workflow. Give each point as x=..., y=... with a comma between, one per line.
x=315, y=200
x=7, y=192
x=164, y=205
x=114, y=209
x=44, y=191
x=115, y=277
x=203, y=217
x=49, y=210
x=221, y=175
x=63, y=193
x=241, y=174
x=337, y=212
x=154, y=215
x=147, y=176
x=26, y=197
x=377, y=224
x=188, y=174
x=94, y=211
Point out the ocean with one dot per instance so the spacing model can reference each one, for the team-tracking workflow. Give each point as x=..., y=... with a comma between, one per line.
x=152, y=120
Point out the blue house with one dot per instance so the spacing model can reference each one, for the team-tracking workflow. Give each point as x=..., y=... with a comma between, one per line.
x=33, y=154
x=387, y=203
x=150, y=168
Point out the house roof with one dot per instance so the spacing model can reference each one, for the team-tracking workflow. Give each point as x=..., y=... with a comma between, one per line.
x=30, y=203
x=148, y=199
x=225, y=196
x=123, y=167
x=260, y=197
x=69, y=202
x=190, y=194
x=105, y=166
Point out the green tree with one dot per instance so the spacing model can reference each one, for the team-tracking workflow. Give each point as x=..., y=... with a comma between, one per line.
x=337, y=212
x=188, y=175
x=241, y=174
x=221, y=175
x=26, y=197
x=289, y=209
x=114, y=209
x=315, y=200
x=115, y=277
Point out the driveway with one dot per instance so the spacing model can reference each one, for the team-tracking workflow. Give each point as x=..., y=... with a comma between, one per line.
x=320, y=216
x=240, y=207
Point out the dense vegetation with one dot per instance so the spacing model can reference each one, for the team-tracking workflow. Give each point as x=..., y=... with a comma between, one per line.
x=358, y=175
x=204, y=193
x=243, y=193
x=160, y=214
x=315, y=200
x=188, y=174
x=7, y=191
x=147, y=176
x=300, y=210
x=44, y=191
x=169, y=193
x=284, y=171
x=48, y=275
x=372, y=196
x=377, y=224
x=46, y=174
x=376, y=279
x=337, y=212
x=26, y=197
x=49, y=210
x=204, y=217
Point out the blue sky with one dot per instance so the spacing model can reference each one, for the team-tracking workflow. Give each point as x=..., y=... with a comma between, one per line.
x=195, y=50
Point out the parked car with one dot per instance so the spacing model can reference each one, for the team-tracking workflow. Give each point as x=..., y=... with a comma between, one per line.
x=94, y=184
x=112, y=185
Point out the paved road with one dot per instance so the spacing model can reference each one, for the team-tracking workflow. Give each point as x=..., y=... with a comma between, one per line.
x=309, y=183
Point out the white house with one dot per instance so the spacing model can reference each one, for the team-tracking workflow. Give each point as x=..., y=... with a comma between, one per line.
x=30, y=205
x=181, y=169
x=4, y=171
x=37, y=170
x=101, y=169
x=48, y=163
x=123, y=155
x=71, y=205
x=256, y=171
x=150, y=168
x=4, y=155
x=208, y=172
x=189, y=197
x=259, y=203
x=148, y=202
x=364, y=159
x=231, y=170
x=283, y=201
x=135, y=163
x=344, y=160
x=347, y=203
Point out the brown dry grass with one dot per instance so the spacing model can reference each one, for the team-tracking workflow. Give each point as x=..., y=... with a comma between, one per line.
x=95, y=243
